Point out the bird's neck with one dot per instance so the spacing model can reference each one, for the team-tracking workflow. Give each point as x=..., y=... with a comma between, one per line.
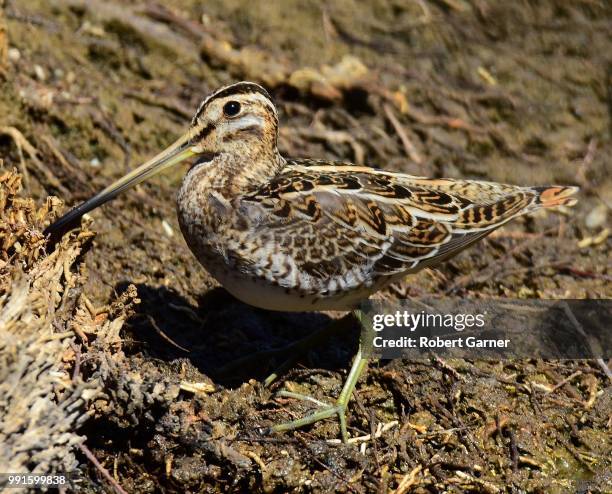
x=236, y=173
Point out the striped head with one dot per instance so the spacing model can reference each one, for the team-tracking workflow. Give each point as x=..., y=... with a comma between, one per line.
x=237, y=119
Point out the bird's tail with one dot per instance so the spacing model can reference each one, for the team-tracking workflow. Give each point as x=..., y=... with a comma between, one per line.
x=555, y=195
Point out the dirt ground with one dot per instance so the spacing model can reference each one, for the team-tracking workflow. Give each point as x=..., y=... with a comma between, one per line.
x=517, y=92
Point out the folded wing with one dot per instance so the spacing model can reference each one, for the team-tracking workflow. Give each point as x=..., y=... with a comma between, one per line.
x=349, y=226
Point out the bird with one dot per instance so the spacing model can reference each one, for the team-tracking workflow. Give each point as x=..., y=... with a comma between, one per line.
x=303, y=234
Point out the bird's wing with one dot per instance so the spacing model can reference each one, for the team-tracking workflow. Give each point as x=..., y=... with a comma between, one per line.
x=337, y=217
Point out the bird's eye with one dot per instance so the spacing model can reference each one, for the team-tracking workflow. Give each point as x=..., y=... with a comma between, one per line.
x=231, y=108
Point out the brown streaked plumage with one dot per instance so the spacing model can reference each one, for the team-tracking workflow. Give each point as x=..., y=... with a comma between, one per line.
x=320, y=235
x=303, y=234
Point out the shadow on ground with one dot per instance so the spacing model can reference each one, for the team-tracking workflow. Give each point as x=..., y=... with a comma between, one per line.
x=220, y=330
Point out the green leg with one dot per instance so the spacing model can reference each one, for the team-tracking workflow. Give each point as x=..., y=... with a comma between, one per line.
x=340, y=407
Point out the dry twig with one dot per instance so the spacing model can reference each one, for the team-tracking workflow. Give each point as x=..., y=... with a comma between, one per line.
x=91, y=457
x=409, y=480
x=410, y=149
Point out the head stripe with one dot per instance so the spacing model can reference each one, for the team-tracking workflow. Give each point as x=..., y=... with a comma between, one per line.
x=244, y=87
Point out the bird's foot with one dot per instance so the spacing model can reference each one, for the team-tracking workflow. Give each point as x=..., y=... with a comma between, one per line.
x=326, y=410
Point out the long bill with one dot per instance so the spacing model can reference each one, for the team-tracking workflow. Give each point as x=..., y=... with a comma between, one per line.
x=176, y=153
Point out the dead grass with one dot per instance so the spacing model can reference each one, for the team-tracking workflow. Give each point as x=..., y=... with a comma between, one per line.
x=44, y=322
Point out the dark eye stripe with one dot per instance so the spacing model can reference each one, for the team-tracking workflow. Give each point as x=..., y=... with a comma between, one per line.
x=203, y=133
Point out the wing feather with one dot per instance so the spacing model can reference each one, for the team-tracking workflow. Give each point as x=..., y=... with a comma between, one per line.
x=359, y=224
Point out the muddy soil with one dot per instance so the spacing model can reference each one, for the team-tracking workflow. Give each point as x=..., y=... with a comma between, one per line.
x=517, y=92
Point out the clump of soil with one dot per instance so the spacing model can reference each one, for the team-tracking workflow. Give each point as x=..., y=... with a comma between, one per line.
x=117, y=340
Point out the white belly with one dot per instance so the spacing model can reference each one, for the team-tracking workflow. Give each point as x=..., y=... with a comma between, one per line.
x=260, y=293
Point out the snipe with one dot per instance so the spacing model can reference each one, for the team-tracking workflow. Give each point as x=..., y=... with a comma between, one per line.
x=309, y=235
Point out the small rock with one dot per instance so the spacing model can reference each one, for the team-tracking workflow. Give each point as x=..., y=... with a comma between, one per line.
x=40, y=73
x=597, y=217
x=14, y=54
x=167, y=228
